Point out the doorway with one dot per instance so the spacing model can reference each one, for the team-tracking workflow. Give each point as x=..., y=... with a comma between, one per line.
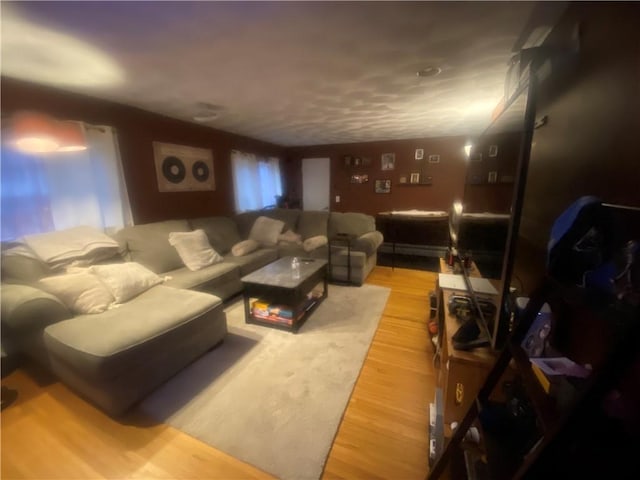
x=315, y=183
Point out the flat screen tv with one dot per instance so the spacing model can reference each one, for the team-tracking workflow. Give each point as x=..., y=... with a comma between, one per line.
x=496, y=176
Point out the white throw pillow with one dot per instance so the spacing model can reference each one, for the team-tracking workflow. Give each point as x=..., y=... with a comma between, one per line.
x=126, y=280
x=291, y=237
x=80, y=292
x=266, y=230
x=314, y=242
x=244, y=247
x=83, y=245
x=194, y=249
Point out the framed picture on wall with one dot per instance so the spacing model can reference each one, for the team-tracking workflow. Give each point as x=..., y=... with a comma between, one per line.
x=419, y=153
x=383, y=186
x=415, y=178
x=388, y=161
x=493, y=150
x=434, y=158
x=360, y=178
x=181, y=168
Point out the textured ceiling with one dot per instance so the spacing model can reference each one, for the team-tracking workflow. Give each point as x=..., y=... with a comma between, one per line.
x=291, y=73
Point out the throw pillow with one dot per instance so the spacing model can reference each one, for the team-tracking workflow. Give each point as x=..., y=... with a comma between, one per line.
x=266, y=230
x=83, y=245
x=194, y=249
x=314, y=242
x=126, y=280
x=244, y=247
x=80, y=292
x=290, y=236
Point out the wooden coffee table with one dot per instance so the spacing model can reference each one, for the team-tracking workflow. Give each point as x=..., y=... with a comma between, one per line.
x=274, y=298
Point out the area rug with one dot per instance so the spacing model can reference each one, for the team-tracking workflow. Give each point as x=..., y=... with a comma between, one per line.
x=272, y=398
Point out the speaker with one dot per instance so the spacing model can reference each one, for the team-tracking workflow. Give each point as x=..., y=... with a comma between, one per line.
x=180, y=168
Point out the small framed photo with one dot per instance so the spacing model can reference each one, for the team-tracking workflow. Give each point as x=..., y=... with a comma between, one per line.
x=476, y=157
x=388, y=161
x=493, y=177
x=493, y=150
x=383, y=186
x=403, y=179
x=360, y=178
x=434, y=158
x=419, y=153
x=415, y=178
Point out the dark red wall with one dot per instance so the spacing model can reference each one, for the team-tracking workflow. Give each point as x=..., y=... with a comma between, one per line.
x=589, y=145
x=448, y=175
x=136, y=130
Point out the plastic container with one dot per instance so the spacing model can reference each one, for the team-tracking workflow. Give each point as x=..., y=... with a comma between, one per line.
x=295, y=268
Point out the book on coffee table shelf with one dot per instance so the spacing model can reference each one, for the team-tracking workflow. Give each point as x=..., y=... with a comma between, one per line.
x=284, y=314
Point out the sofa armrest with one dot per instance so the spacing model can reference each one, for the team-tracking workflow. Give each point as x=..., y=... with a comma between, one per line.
x=368, y=243
x=26, y=309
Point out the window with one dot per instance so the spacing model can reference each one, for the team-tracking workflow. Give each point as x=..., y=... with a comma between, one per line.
x=256, y=181
x=42, y=192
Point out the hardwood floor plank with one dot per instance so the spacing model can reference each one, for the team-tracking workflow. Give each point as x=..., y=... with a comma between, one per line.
x=50, y=433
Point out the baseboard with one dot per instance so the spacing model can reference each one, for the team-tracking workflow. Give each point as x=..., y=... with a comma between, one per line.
x=409, y=249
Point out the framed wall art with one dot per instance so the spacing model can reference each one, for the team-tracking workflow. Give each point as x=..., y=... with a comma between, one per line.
x=388, y=161
x=383, y=186
x=360, y=178
x=180, y=168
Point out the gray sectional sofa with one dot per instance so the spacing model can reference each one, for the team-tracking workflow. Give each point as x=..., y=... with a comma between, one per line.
x=116, y=357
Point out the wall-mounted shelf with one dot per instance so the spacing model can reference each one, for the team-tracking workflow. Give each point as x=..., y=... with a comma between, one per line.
x=430, y=184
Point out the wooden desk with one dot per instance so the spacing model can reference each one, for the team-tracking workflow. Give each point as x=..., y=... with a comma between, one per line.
x=462, y=373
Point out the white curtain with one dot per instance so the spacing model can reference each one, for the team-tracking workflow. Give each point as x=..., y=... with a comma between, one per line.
x=53, y=191
x=256, y=181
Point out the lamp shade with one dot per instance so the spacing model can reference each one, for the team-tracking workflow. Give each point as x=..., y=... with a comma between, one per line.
x=70, y=137
x=34, y=132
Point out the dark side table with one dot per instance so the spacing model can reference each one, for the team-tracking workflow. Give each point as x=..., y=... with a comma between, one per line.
x=345, y=240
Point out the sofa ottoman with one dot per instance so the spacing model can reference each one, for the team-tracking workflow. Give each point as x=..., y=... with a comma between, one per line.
x=117, y=357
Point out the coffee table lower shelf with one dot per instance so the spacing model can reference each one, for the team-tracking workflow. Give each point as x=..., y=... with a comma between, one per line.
x=283, y=324
x=279, y=291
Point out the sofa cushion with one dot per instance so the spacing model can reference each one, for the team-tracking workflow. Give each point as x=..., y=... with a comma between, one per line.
x=185, y=278
x=288, y=249
x=367, y=242
x=20, y=265
x=286, y=215
x=254, y=260
x=126, y=280
x=351, y=223
x=222, y=232
x=266, y=231
x=26, y=309
x=339, y=257
x=194, y=249
x=312, y=223
x=148, y=244
x=81, y=292
x=314, y=242
x=107, y=344
x=290, y=237
x=82, y=245
x=244, y=247
x=245, y=221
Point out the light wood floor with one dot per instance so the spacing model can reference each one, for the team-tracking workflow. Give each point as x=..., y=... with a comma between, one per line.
x=49, y=433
